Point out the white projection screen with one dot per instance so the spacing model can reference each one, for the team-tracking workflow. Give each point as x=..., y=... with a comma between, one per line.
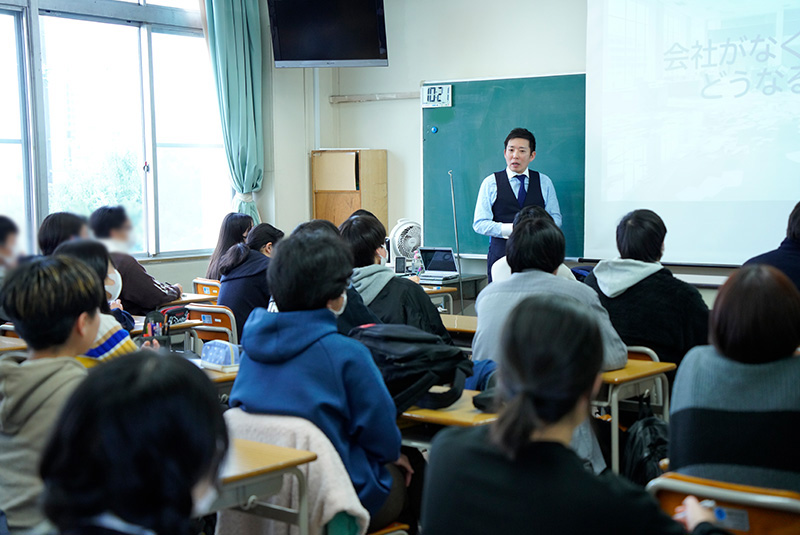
x=693, y=111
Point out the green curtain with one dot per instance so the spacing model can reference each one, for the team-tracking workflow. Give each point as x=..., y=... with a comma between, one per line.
x=233, y=34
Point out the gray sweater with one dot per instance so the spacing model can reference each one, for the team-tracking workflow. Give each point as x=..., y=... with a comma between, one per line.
x=496, y=302
x=736, y=422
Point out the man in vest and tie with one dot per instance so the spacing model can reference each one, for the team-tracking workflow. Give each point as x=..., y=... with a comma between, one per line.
x=505, y=193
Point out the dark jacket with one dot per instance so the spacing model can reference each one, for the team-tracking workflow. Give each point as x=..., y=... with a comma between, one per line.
x=356, y=313
x=297, y=364
x=141, y=293
x=398, y=300
x=245, y=288
x=473, y=488
x=659, y=311
x=786, y=258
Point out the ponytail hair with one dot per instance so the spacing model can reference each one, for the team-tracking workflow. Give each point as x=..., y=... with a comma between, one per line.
x=259, y=236
x=552, y=353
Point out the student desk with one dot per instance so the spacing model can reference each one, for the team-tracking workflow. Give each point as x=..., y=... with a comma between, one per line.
x=186, y=329
x=9, y=343
x=633, y=380
x=462, y=329
x=223, y=382
x=189, y=299
x=419, y=425
x=443, y=292
x=254, y=471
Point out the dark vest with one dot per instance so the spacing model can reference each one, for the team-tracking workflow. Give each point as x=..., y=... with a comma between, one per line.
x=506, y=207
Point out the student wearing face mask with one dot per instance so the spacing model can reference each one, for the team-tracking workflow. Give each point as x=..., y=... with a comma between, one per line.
x=112, y=339
x=393, y=299
x=157, y=444
x=141, y=293
x=295, y=363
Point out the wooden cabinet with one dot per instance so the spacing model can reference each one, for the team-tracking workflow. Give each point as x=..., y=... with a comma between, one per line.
x=342, y=181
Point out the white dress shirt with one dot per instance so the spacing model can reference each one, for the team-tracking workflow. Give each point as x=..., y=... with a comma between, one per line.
x=484, y=222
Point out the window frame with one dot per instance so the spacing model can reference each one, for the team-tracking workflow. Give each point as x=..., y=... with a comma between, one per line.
x=148, y=19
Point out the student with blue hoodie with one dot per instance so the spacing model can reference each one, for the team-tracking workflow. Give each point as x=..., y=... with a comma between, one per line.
x=243, y=286
x=296, y=363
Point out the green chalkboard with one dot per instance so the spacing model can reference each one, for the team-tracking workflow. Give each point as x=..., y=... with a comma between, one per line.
x=469, y=140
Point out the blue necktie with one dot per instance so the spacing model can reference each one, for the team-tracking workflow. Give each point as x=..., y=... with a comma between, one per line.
x=521, y=194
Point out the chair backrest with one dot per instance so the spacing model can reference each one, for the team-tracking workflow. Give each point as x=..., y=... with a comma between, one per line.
x=753, y=510
x=206, y=287
x=219, y=322
x=328, y=483
x=642, y=353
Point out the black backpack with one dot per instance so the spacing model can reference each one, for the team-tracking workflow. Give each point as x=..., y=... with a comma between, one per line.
x=411, y=361
x=648, y=442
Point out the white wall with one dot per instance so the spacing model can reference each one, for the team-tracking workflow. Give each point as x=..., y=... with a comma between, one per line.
x=451, y=39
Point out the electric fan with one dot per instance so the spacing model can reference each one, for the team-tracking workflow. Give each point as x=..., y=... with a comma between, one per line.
x=405, y=238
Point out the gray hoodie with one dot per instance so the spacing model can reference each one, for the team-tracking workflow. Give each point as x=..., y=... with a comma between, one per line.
x=32, y=394
x=615, y=276
x=370, y=280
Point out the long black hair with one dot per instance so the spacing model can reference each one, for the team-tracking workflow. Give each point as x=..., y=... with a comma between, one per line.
x=95, y=255
x=261, y=235
x=58, y=228
x=552, y=353
x=133, y=440
x=230, y=233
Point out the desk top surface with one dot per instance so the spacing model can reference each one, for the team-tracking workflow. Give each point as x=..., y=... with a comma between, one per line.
x=9, y=343
x=437, y=290
x=460, y=324
x=460, y=414
x=637, y=369
x=188, y=299
x=138, y=327
x=220, y=377
x=248, y=459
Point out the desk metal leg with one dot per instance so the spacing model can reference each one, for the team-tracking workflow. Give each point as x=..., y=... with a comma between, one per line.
x=615, y=429
x=664, y=396
x=302, y=509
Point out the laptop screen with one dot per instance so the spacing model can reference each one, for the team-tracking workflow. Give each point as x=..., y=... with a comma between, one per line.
x=441, y=259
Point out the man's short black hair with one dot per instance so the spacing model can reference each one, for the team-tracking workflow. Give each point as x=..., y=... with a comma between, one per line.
x=58, y=228
x=521, y=133
x=536, y=244
x=531, y=212
x=7, y=227
x=308, y=270
x=316, y=225
x=640, y=236
x=107, y=218
x=364, y=235
x=45, y=297
x=793, y=229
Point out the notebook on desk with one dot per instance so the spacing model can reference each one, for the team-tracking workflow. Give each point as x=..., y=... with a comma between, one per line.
x=439, y=263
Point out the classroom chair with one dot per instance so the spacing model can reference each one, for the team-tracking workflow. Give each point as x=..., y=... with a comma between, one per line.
x=333, y=505
x=218, y=323
x=744, y=509
x=645, y=353
x=206, y=287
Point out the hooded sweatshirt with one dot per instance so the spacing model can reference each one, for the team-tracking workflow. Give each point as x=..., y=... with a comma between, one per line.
x=32, y=394
x=649, y=307
x=398, y=300
x=245, y=288
x=297, y=364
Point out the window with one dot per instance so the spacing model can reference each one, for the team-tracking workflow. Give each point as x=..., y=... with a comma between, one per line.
x=125, y=112
x=95, y=134
x=189, y=153
x=12, y=152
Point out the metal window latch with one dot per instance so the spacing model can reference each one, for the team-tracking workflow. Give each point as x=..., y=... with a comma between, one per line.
x=146, y=167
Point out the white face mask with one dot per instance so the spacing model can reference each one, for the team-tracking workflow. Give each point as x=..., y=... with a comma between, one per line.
x=114, y=289
x=203, y=505
x=339, y=312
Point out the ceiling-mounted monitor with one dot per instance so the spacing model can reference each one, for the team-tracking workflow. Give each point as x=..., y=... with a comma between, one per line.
x=328, y=33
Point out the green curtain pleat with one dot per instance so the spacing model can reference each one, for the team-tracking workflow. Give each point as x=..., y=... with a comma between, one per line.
x=233, y=33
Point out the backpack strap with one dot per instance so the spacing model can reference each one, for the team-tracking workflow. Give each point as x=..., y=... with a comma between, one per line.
x=415, y=392
x=438, y=400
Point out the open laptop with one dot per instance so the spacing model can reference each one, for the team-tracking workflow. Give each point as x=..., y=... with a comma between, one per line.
x=439, y=263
